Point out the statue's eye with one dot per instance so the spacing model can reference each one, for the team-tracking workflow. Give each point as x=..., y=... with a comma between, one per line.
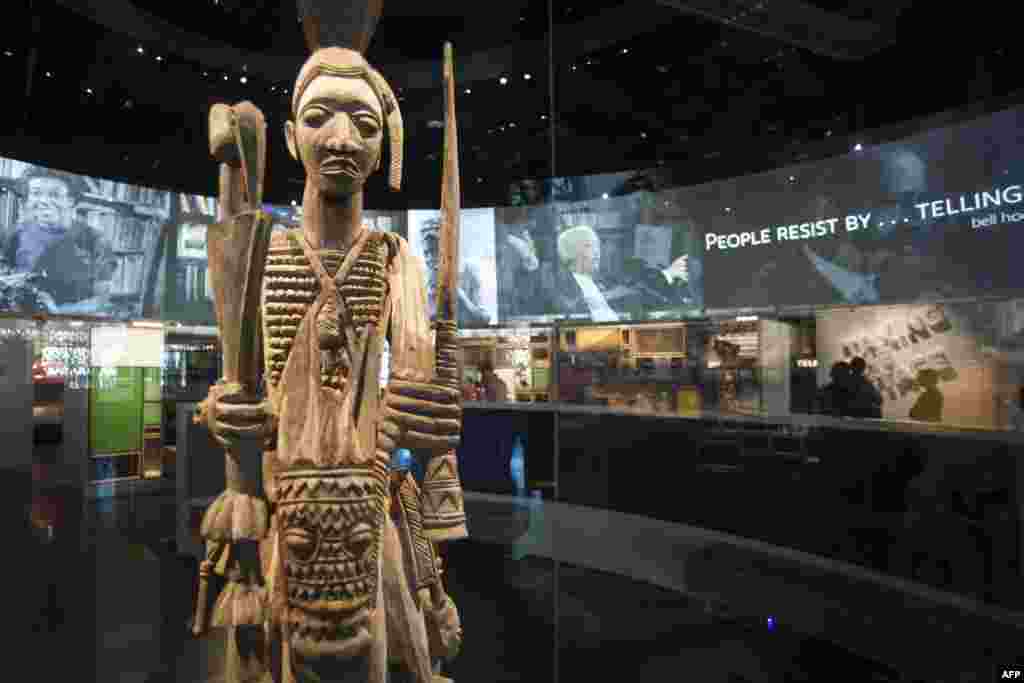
x=367, y=126
x=301, y=543
x=314, y=117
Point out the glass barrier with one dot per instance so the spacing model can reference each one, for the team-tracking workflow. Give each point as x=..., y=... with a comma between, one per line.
x=739, y=335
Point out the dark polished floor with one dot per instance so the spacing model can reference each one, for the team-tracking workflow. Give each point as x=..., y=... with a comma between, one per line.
x=525, y=619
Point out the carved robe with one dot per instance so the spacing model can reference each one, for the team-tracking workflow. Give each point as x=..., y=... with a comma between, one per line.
x=341, y=541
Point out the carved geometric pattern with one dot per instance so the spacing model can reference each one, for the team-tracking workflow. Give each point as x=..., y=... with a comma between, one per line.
x=443, y=506
x=365, y=286
x=290, y=287
x=331, y=521
x=423, y=549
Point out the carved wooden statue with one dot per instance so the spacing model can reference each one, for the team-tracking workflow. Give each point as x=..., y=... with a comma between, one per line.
x=332, y=571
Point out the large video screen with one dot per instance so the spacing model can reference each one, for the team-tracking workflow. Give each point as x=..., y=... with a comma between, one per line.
x=936, y=216
x=632, y=255
x=73, y=244
x=478, y=289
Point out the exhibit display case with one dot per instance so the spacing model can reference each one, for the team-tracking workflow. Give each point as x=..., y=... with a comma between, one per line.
x=126, y=402
x=520, y=357
x=740, y=344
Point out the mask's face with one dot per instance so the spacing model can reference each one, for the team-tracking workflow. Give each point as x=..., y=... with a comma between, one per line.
x=332, y=521
x=338, y=134
x=49, y=202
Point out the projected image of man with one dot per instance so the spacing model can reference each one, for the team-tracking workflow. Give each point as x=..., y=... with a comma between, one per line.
x=471, y=311
x=75, y=261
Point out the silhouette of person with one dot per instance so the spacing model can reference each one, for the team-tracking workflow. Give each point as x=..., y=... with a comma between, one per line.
x=928, y=407
x=834, y=397
x=865, y=399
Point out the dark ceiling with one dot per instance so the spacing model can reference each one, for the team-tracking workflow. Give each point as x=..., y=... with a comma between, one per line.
x=705, y=88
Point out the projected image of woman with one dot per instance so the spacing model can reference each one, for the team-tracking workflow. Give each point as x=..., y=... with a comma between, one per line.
x=579, y=292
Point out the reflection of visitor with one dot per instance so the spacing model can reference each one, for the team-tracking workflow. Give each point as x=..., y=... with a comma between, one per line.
x=834, y=396
x=470, y=391
x=928, y=407
x=494, y=388
x=517, y=466
x=579, y=250
x=75, y=259
x=1015, y=410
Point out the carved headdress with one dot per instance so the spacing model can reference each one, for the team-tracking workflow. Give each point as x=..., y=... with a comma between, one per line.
x=337, y=34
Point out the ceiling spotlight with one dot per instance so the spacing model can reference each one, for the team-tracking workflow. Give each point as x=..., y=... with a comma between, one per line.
x=468, y=91
x=273, y=88
x=543, y=117
x=728, y=209
x=503, y=80
x=858, y=147
x=140, y=50
x=225, y=77
x=643, y=135
x=159, y=58
x=792, y=178
x=205, y=74
x=625, y=50
x=573, y=67
x=294, y=203
x=49, y=74
x=527, y=77
x=243, y=79
x=88, y=91
x=8, y=53
x=604, y=196
x=479, y=180
x=828, y=133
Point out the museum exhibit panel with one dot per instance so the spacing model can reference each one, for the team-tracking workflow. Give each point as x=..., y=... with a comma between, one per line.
x=646, y=338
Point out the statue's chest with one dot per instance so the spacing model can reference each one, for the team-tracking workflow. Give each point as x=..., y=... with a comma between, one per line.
x=339, y=315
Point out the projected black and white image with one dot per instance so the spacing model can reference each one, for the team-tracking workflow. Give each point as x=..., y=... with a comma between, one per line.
x=478, y=289
x=935, y=216
x=73, y=244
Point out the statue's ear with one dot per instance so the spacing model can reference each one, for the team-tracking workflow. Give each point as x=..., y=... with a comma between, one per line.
x=289, y=138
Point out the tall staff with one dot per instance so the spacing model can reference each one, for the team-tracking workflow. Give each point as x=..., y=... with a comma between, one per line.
x=444, y=515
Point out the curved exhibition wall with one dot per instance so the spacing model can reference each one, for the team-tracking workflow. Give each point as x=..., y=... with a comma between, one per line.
x=932, y=216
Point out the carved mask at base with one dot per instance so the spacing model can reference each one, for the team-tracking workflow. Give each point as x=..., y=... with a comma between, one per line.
x=331, y=523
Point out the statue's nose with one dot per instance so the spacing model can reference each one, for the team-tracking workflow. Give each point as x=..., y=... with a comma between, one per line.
x=342, y=135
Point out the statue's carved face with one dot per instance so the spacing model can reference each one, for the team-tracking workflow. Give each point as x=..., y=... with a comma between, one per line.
x=331, y=525
x=337, y=134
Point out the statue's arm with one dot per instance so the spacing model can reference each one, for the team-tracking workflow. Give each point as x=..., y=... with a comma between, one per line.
x=420, y=413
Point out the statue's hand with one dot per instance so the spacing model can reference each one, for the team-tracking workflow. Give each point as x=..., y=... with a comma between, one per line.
x=444, y=629
x=236, y=417
x=223, y=146
x=420, y=416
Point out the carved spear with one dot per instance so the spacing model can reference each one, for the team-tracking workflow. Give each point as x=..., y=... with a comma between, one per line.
x=237, y=251
x=444, y=518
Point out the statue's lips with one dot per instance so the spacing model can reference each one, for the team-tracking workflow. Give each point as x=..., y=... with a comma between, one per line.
x=349, y=638
x=339, y=167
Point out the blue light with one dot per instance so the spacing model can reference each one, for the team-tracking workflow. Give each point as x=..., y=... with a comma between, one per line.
x=771, y=623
